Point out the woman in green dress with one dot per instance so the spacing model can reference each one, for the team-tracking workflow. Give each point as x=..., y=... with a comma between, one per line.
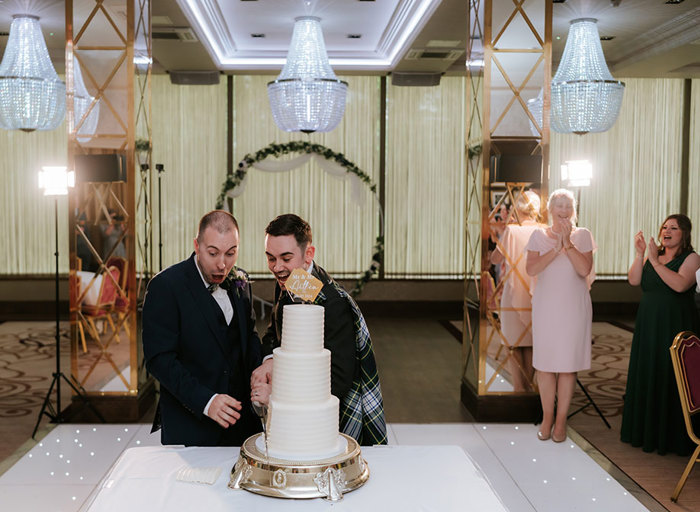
x=652, y=416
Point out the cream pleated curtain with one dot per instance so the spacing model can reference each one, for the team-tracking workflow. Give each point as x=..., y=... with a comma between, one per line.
x=636, y=170
x=343, y=231
x=189, y=139
x=694, y=167
x=636, y=177
x=425, y=180
x=26, y=215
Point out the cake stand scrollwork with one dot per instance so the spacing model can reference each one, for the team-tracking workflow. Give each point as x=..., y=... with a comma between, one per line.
x=328, y=478
x=331, y=484
x=279, y=479
x=241, y=472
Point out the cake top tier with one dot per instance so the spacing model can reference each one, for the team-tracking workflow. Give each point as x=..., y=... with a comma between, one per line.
x=302, y=328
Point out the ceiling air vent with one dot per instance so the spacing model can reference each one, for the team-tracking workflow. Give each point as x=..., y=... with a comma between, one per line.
x=184, y=34
x=433, y=54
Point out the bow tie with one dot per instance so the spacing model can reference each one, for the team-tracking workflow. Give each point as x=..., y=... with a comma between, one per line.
x=213, y=287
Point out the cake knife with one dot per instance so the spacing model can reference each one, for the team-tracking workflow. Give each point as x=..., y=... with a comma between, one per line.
x=261, y=412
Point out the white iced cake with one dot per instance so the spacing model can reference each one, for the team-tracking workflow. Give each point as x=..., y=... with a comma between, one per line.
x=303, y=413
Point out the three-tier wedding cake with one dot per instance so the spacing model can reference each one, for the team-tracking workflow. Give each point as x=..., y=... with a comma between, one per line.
x=303, y=423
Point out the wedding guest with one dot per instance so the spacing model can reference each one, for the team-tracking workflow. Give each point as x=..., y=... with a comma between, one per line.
x=112, y=232
x=652, y=416
x=83, y=245
x=516, y=300
x=354, y=378
x=200, y=342
x=561, y=256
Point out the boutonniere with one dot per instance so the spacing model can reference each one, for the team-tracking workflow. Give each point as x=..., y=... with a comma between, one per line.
x=236, y=280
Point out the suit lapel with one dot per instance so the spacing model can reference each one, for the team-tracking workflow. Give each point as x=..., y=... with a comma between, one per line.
x=205, y=302
x=239, y=312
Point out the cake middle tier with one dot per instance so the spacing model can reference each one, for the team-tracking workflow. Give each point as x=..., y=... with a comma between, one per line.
x=301, y=377
x=303, y=431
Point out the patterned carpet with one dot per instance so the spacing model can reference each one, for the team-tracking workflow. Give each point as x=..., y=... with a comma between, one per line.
x=606, y=379
x=27, y=362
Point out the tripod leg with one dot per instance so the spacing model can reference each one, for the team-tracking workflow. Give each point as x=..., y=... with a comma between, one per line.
x=86, y=402
x=47, y=405
x=592, y=402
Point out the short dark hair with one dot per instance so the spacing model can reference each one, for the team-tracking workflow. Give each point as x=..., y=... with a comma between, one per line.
x=220, y=220
x=290, y=224
x=685, y=226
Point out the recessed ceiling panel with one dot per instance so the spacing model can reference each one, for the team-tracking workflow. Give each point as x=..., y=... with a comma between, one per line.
x=386, y=27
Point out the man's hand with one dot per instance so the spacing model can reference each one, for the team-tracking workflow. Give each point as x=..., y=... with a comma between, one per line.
x=261, y=393
x=262, y=374
x=224, y=410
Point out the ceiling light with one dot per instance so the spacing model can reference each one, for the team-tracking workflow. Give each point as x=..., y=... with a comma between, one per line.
x=585, y=96
x=31, y=95
x=307, y=96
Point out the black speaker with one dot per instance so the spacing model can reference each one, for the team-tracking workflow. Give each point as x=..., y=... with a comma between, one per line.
x=415, y=79
x=516, y=168
x=100, y=168
x=194, y=77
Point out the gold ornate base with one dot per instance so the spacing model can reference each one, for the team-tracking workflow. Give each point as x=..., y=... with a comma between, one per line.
x=328, y=478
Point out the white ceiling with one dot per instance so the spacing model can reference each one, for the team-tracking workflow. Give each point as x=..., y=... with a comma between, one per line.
x=652, y=38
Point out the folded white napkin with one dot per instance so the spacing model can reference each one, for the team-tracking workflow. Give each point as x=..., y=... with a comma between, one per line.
x=198, y=475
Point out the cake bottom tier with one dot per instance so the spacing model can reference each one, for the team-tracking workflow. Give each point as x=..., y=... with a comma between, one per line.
x=303, y=431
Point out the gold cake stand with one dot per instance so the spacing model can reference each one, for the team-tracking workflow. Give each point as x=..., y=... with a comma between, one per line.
x=326, y=478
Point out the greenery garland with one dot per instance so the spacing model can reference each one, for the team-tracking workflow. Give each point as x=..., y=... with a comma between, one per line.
x=236, y=178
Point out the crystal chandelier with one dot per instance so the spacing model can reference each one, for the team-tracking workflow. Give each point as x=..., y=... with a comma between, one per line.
x=81, y=102
x=307, y=96
x=585, y=96
x=31, y=95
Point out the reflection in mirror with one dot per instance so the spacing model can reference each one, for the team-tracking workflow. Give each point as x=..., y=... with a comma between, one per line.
x=514, y=215
x=100, y=288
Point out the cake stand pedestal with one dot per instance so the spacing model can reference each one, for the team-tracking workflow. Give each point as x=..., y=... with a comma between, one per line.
x=326, y=478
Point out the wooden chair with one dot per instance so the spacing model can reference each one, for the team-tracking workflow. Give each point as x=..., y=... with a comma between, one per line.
x=121, y=303
x=74, y=284
x=685, y=356
x=104, y=307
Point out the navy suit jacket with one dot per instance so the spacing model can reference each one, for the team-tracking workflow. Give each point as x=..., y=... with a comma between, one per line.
x=186, y=350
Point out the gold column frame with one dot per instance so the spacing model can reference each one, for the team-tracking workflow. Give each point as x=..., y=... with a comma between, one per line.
x=490, y=132
x=101, y=38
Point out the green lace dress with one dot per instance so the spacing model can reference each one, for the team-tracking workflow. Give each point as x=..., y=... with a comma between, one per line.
x=652, y=416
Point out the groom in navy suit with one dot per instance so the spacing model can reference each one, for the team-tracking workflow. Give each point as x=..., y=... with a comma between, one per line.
x=200, y=342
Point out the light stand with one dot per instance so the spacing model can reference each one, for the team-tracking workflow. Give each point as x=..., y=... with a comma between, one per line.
x=146, y=238
x=55, y=182
x=160, y=169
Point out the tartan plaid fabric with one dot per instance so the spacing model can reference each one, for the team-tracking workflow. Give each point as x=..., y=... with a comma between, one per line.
x=362, y=408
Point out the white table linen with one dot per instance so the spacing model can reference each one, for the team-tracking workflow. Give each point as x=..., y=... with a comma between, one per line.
x=424, y=478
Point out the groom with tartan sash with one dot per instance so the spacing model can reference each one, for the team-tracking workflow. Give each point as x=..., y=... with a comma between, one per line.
x=354, y=378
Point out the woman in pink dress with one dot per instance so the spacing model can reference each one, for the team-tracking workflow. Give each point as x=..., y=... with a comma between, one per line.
x=561, y=258
x=516, y=300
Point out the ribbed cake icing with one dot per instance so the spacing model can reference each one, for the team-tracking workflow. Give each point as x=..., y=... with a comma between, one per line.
x=303, y=413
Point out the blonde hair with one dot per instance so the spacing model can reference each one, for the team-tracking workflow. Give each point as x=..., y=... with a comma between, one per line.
x=528, y=203
x=559, y=194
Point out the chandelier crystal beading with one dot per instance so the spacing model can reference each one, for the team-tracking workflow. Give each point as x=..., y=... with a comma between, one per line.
x=307, y=96
x=32, y=97
x=81, y=102
x=585, y=96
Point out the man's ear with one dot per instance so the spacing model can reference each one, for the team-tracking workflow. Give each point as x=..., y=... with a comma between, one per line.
x=309, y=254
x=196, y=245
